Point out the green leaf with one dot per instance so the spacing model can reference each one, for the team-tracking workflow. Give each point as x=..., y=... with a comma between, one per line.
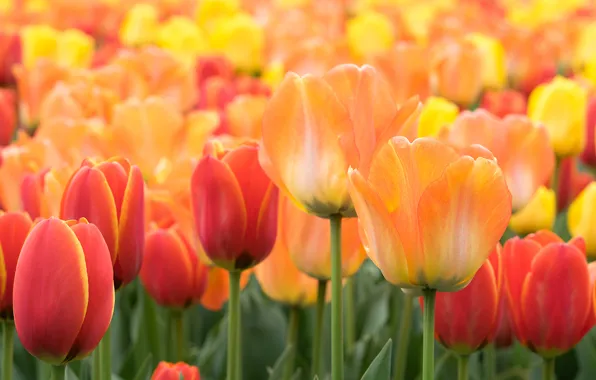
x=277, y=372
x=380, y=368
x=144, y=369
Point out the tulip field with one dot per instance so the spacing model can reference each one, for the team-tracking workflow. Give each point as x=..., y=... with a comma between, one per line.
x=298, y=190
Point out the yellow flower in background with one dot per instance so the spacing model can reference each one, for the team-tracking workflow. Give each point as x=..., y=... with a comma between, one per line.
x=581, y=218
x=288, y=4
x=561, y=106
x=538, y=214
x=181, y=36
x=436, y=113
x=38, y=41
x=588, y=71
x=75, y=48
x=273, y=74
x=494, y=67
x=584, y=50
x=369, y=33
x=240, y=39
x=140, y=25
x=210, y=12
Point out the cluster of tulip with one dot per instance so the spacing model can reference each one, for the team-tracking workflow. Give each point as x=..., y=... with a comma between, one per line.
x=198, y=144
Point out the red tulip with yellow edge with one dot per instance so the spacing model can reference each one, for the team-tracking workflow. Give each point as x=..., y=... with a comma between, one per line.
x=177, y=371
x=110, y=194
x=172, y=273
x=315, y=128
x=549, y=293
x=63, y=290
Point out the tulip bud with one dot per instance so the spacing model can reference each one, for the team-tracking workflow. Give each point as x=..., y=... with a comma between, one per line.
x=235, y=208
x=8, y=116
x=561, y=106
x=210, y=12
x=436, y=114
x=493, y=68
x=39, y=41
x=178, y=371
x=10, y=51
x=75, y=49
x=588, y=156
x=581, y=218
x=369, y=33
x=538, y=214
x=63, y=290
x=110, y=195
x=171, y=271
x=140, y=25
x=572, y=182
x=183, y=38
x=14, y=227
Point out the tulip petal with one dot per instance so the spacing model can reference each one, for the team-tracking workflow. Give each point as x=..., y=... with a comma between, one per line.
x=384, y=243
x=101, y=290
x=52, y=262
x=116, y=178
x=460, y=217
x=544, y=237
x=556, y=299
x=131, y=232
x=405, y=122
x=219, y=210
x=88, y=195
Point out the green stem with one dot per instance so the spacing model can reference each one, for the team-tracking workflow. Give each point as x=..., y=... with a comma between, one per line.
x=318, y=331
x=337, y=344
x=233, y=325
x=548, y=370
x=105, y=356
x=8, y=350
x=150, y=316
x=292, y=341
x=44, y=370
x=177, y=335
x=96, y=364
x=428, y=339
x=350, y=315
x=401, y=353
x=462, y=367
x=490, y=362
x=58, y=372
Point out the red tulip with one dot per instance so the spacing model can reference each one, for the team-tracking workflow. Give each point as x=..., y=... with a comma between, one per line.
x=503, y=103
x=110, y=195
x=8, y=115
x=14, y=227
x=178, y=371
x=234, y=205
x=172, y=272
x=571, y=182
x=549, y=292
x=63, y=290
x=588, y=156
x=10, y=51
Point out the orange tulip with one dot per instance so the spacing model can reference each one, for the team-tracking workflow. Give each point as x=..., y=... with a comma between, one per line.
x=235, y=208
x=430, y=215
x=110, y=195
x=455, y=72
x=8, y=116
x=41, y=193
x=244, y=115
x=521, y=147
x=548, y=287
x=315, y=128
x=171, y=271
x=63, y=290
x=14, y=227
x=466, y=320
x=218, y=287
x=178, y=371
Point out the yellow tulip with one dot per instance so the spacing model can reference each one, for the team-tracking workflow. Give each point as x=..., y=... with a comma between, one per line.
x=436, y=113
x=369, y=33
x=210, y=12
x=38, y=41
x=538, y=214
x=289, y=4
x=584, y=49
x=494, y=68
x=140, y=25
x=273, y=74
x=75, y=49
x=561, y=106
x=240, y=39
x=581, y=219
x=181, y=36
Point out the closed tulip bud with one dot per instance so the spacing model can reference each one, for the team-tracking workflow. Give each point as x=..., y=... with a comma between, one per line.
x=14, y=227
x=466, y=320
x=369, y=33
x=178, y=371
x=436, y=114
x=8, y=115
x=140, y=25
x=445, y=192
x=548, y=288
x=503, y=103
x=581, y=218
x=561, y=106
x=63, y=290
x=234, y=205
x=493, y=68
x=171, y=271
x=538, y=214
x=38, y=41
x=316, y=128
x=110, y=194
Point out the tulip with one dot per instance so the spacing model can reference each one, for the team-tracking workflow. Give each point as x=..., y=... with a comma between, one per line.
x=504, y=103
x=548, y=288
x=38, y=41
x=493, y=68
x=369, y=33
x=217, y=290
x=588, y=156
x=183, y=38
x=75, y=49
x=140, y=25
x=10, y=51
x=178, y=371
x=110, y=194
x=315, y=128
x=172, y=273
x=538, y=214
x=561, y=106
x=63, y=291
x=571, y=182
x=436, y=114
x=581, y=218
x=8, y=116
x=211, y=12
